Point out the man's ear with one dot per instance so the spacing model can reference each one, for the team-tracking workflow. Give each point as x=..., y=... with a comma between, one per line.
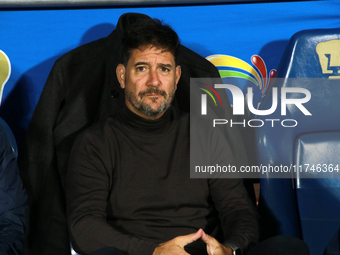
x=120, y=72
x=178, y=74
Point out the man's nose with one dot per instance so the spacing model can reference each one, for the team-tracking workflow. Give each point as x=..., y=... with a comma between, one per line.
x=153, y=78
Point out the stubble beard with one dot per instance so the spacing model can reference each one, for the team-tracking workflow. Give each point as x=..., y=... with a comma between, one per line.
x=137, y=101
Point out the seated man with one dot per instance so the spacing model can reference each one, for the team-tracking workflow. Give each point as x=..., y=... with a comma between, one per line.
x=128, y=185
x=13, y=198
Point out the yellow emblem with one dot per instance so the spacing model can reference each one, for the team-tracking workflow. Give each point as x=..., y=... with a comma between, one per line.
x=5, y=71
x=329, y=57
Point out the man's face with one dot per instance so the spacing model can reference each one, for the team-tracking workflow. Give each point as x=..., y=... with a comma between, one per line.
x=150, y=80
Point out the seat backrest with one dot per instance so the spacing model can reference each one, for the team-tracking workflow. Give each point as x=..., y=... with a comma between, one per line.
x=319, y=198
x=311, y=54
x=311, y=65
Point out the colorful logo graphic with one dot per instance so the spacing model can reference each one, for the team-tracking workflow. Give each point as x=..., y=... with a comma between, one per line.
x=204, y=96
x=5, y=71
x=209, y=93
x=329, y=57
x=233, y=67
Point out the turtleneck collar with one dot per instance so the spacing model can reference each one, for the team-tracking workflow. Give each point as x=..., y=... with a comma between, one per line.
x=141, y=125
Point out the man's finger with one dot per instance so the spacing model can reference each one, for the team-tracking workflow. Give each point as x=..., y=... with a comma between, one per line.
x=184, y=240
x=208, y=239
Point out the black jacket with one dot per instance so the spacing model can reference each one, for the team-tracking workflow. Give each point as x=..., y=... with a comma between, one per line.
x=82, y=89
x=13, y=198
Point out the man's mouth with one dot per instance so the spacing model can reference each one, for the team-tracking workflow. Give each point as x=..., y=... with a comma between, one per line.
x=153, y=95
x=153, y=92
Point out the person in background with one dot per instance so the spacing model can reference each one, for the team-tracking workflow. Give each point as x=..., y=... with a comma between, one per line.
x=13, y=198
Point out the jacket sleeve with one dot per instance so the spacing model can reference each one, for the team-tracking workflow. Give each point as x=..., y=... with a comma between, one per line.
x=13, y=201
x=238, y=215
x=46, y=219
x=239, y=219
x=88, y=185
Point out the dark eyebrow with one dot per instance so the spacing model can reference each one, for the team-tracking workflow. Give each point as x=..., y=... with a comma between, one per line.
x=166, y=65
x=141, y=63
x=146, y=63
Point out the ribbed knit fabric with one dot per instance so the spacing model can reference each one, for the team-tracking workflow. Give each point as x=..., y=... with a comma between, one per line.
x=129, y=187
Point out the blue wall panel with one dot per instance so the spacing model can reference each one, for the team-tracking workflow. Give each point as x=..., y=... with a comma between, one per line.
x=34, y=39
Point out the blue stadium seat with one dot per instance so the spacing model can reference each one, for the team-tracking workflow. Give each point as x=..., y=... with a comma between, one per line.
x=305, y=205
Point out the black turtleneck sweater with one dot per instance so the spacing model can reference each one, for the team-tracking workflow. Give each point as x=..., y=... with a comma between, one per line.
x=129, y=187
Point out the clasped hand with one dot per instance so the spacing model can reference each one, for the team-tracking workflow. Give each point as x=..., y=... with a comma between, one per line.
x=176, y=246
